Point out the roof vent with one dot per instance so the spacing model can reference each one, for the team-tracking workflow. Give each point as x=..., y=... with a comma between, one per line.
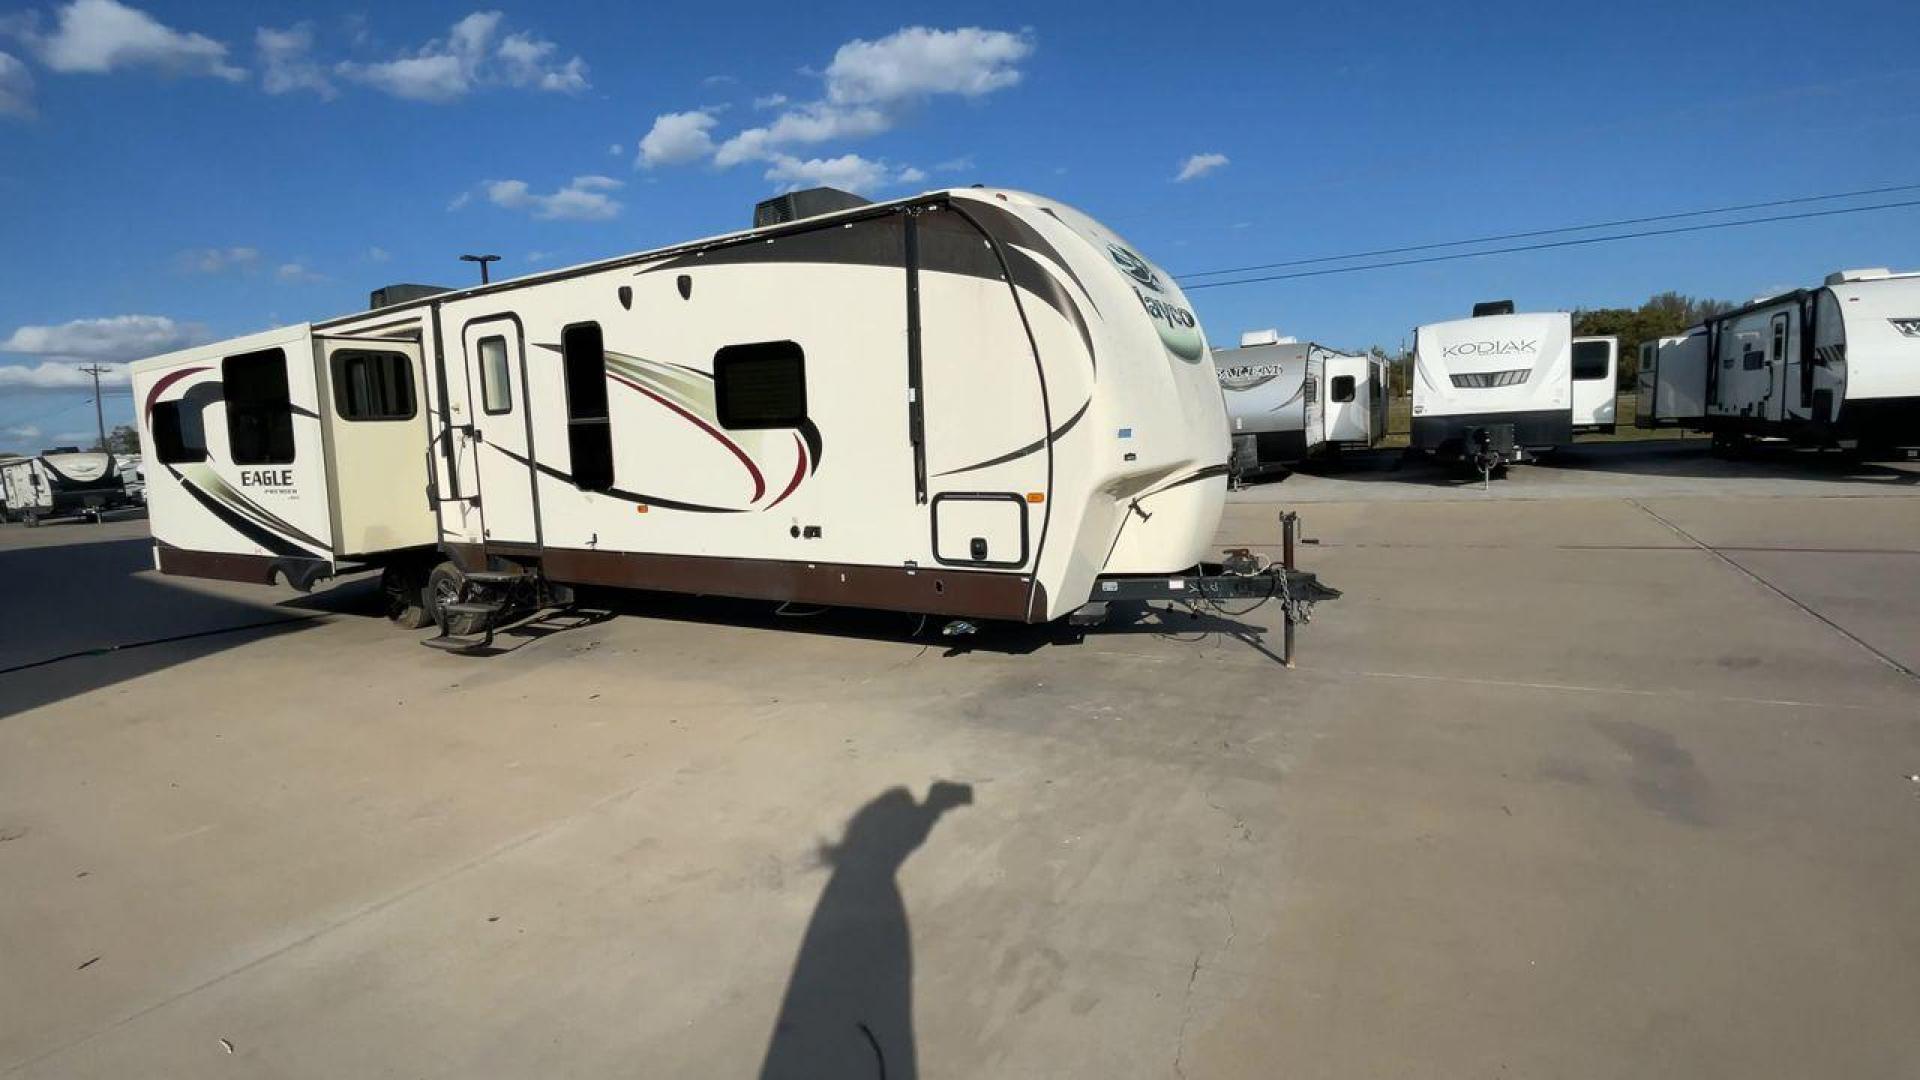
x=1259, y=337
x=812, y=202
x=402, y=294
x=1870, y=273
x=1492, y=307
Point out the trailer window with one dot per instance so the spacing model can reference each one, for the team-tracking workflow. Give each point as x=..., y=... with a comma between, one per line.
x=259, y=410
x=178, y=436
x=1589, y=360
x=372, y=385
x=496, y=382
x=762, y=385
x=589, y=435
x=1342, y=388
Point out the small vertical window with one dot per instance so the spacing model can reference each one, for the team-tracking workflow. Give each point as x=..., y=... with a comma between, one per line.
x=589, y=434
x=259, y=409
x=372, y=385
x=1779, y=338
x=178, y=436
x=763, y=385
x=496, y=380
x=1342, y=388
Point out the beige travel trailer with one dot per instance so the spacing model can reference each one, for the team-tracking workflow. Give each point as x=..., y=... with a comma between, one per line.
x=973, y=403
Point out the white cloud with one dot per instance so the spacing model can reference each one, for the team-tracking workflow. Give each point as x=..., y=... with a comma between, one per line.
x=918, y=62
x=1199, y=165
x=616, y=149
x=117, y=338
x=447, y=69
x=718, y=80
x=217, y=260
x=460, y=201
x=378, y=254
x=299, y=273
x=964, y=163
x=849, y=172
x=16, y=88
x=58, y=375
x=584, y=198
x=98, y=36
x=770, y=101
x=871, y=85
x=676, y=138
x=22, y=431
x=287, y=64
x=537, y=257
x=911, y=175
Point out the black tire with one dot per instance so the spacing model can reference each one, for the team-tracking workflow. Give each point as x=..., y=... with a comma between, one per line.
x=405, y=590
x=446, y=585
x=32, y=519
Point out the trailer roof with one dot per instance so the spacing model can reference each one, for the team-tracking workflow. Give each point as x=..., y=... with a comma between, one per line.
x=802, y=225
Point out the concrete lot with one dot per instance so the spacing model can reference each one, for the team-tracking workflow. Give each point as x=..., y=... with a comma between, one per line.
x=1612, y=782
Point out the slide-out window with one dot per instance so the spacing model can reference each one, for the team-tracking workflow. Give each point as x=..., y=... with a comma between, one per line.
x=589, y=434
x=762, y=385
x=259, y=410
x=178, y=436
x=1342, y=388
x=372, y=385
x=496, y=382
x=1589, y=360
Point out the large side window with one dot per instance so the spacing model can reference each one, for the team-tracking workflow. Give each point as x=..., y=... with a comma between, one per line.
x=762, y=385
x=1342, y=388
x=178, y=436
x=1589, y=360
x=496, y=382
x=259, y=410
x=372, y=385
x=589, y=434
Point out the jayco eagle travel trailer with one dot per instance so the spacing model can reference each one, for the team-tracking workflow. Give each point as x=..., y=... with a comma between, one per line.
x=1836, y=365
x=1288, y=400
x=1496, y=388
x=62, y=482
x=975, y=403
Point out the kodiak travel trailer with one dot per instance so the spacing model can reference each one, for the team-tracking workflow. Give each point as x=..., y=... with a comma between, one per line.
x=63, y=482
x=975, y=403
x=1289, y=400
x=1833, y=366
x=1500, y=387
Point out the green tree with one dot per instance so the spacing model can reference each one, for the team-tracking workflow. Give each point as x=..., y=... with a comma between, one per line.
x=1663, y=315
x=123, y=440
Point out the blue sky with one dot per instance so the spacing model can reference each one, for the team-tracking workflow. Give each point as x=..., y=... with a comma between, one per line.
x=174, y=172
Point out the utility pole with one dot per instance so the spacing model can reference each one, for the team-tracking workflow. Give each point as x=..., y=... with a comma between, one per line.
x=99, y=417
x=483, y=260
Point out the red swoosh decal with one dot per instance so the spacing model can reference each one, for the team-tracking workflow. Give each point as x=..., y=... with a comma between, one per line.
x=166, y=380
x=799, y=470
x=759, y=482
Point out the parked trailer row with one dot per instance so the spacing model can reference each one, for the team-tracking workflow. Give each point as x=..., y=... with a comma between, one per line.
x=1837, y=365
x=62, y=482
x=1287, y=401
x=974, y=403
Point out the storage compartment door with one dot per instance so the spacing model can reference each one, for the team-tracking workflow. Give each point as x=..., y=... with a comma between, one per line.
x=980, y=528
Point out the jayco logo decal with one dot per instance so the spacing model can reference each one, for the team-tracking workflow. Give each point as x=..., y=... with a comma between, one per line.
x=1178, y=329
x=1491, y=348
x=1135, y=266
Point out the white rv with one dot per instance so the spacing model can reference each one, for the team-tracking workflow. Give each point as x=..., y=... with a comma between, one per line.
x=1289, y=400
x=1495, y=388
x=1837, y=365
x=976, y=403
x=62, y=482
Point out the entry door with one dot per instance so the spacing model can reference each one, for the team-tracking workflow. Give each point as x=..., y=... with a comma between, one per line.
x=495, y=352
x=1796, y=376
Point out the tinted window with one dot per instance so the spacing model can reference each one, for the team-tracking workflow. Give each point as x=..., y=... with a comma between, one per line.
x=1342, y=387
x=496, y=382
x=259, y=411
x=589, y=436
x=372, y=385
x=763, y=385
x=1589, y=360
x=177, y=434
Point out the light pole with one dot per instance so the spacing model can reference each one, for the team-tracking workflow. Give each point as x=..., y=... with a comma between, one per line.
x=99, y=416
x=483, y=260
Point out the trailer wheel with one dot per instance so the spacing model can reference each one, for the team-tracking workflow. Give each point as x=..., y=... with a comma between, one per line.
x=448, y=585
x=32, y=518
x=405, y=590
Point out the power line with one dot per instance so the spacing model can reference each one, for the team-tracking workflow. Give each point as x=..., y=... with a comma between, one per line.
x=1549, y=232
x=1553, y=244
